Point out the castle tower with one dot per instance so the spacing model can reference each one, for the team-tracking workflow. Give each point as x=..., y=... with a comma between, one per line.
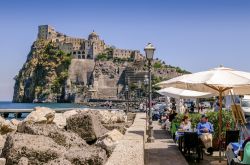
x=93, y=36
x=46, y=32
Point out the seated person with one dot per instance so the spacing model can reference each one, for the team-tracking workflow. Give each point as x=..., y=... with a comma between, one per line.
x=185, y=124
x=246, y=156
x=246, y=148
x=205, y=130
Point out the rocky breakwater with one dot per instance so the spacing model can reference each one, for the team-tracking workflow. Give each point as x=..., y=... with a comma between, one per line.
x=71, y=138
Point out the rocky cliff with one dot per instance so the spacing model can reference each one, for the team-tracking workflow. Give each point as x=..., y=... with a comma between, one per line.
x=43, y=76
x=50, y=75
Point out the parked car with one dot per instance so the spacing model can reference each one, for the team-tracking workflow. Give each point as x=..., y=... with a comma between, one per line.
x=245, y=104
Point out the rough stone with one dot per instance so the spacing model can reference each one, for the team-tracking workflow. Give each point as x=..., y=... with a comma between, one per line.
x=2, y=142
x=23, y=161
x=41, y=115
x=105, y=116
x=119, y=117
x=60, y=120
x=109, y=140
x=108, y=117
x=15, y=122
x=118, y=126
x=6, y=126
x=61, y=137
x=86, y=125
x=37, y=148
x=60, y=161
x=67, y=114
x=2, y=120
x=2, y=161
x=88, y=155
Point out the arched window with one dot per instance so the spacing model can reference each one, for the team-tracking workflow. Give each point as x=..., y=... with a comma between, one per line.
x=79, y=56
x=83, y=57
x=88, y=56
x=79, y=52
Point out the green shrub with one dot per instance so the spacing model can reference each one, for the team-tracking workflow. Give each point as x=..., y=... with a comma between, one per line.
x=157, y=65
x=102, y=57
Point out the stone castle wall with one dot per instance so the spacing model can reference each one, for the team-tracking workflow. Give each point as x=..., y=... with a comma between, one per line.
x=83, y=48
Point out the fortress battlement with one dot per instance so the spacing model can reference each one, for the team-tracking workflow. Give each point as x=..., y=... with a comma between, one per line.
x=81, y=48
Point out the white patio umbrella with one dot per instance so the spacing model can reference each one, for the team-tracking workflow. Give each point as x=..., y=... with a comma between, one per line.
x=218, y=81
x=183, y=93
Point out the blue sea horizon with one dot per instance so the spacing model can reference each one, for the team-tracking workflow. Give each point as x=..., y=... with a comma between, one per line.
x=8, y=105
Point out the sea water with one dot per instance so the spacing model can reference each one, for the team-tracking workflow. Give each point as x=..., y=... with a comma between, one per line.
x=5, y=106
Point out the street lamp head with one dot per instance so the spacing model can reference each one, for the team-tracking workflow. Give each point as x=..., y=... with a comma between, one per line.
x=139, y=84
x=126, y=88
x=146, y=80
x=149, y=50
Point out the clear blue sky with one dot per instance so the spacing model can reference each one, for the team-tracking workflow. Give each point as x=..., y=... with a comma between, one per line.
x=193, y=34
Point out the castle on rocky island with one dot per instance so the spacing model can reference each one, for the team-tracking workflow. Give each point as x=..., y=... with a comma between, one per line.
x=81, y=48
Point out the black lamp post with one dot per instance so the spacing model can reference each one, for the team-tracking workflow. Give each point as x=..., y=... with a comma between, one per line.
x=146, y=100
x=149, y=50
x=126, y=92
x=139, y=90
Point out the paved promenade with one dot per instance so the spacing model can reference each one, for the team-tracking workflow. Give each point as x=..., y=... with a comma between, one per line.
x=163, y=151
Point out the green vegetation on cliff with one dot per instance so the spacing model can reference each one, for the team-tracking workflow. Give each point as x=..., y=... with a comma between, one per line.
x=43, y=75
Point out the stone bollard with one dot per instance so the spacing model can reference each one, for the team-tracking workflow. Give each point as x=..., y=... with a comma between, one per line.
x=2, y=161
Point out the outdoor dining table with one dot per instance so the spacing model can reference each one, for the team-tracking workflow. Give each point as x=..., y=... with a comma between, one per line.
x=188, y=140
x=180, y=138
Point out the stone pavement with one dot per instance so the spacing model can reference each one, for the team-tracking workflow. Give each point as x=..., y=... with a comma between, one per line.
x=209, y=160
x=163, y=151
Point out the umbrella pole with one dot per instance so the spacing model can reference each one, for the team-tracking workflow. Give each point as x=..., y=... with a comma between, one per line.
x=220, y=122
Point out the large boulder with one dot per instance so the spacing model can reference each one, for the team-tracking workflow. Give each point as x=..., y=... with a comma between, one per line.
x=60, y=161
x=122, y=127
x=2, y=142
x=108, y=117
x=15, y=122
x=6, y=126
x=105, y=116
x=70, y=113
x=109, y=140
x=61, y=137
x=36, y=148
x=2, y=161
x=87, y=125
x=60, y=120
x=23, y=161
x=2, y=120
x=41, y=115
x=118, y=117
x=89, y=155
